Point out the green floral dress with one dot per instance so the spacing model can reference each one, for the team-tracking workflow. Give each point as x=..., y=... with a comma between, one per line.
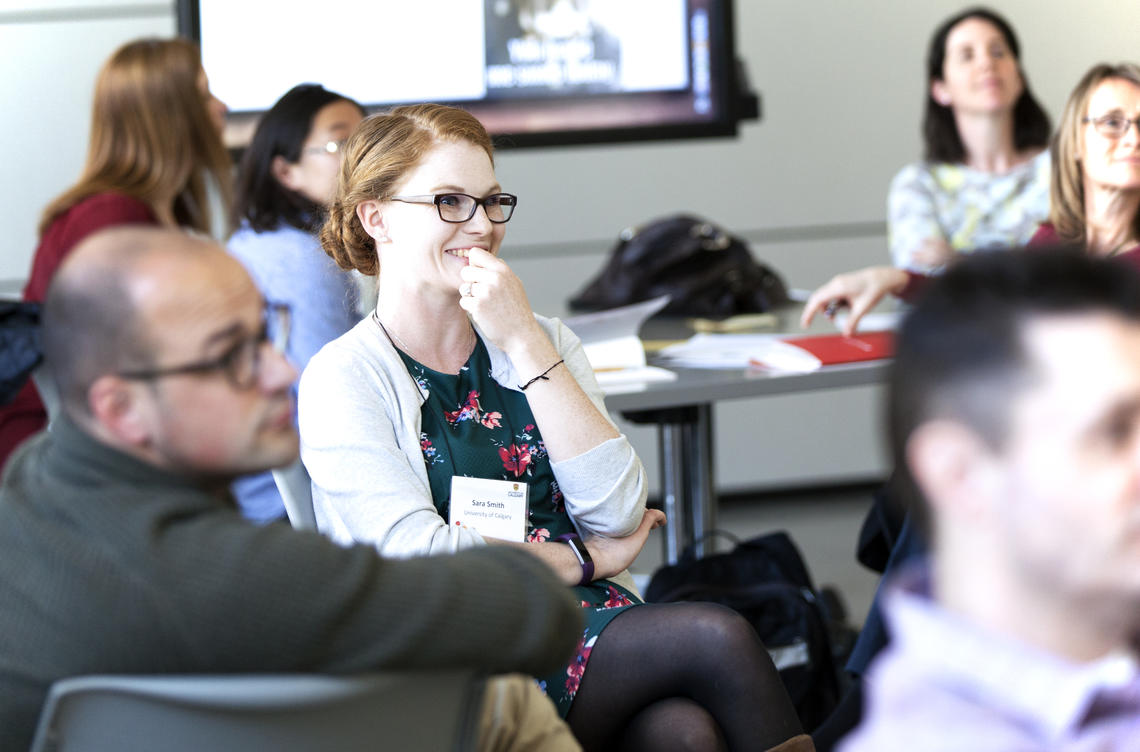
x=473, y=426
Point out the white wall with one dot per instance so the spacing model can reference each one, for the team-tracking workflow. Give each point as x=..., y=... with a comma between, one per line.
x=841, y=83
x=842, y=86
x=50, y=52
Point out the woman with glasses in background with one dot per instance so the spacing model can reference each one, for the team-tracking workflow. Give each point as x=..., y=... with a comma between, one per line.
x=455, y=377
x=1095, y=190
x=156, y=143
x=285, y=181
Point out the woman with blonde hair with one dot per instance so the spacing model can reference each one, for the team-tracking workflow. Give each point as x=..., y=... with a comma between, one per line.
x=154, y=147
x=1095, y=189
x=455, y=382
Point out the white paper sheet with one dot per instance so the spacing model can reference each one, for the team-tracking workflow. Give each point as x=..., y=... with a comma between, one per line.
x=739, y=351
x=610, y=338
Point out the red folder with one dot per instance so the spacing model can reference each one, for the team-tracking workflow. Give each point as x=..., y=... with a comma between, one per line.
x=835, y=348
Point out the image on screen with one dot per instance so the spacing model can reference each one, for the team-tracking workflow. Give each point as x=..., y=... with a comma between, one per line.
x=535, y=71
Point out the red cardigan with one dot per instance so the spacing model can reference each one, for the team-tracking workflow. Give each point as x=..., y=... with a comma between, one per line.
x=26, y=415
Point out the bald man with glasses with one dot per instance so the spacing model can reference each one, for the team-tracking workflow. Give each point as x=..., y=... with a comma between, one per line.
x=124, y=552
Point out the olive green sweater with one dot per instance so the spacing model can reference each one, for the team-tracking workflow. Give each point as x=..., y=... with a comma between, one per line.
x=109, y=565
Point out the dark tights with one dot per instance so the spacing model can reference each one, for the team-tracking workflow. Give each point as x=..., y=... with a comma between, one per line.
x=681, y=676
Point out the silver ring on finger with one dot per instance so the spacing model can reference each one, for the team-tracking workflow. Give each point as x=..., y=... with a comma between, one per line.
x=465, y=290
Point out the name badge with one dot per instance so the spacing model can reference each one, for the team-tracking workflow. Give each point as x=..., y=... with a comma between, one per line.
x=494, y=508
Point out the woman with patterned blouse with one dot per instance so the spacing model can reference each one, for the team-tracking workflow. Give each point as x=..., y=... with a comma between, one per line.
x=984, y=181
x=454, y=377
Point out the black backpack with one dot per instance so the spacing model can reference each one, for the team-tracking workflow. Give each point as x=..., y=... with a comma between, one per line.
x=19, y=346
x=766, y=581
x=707, y=272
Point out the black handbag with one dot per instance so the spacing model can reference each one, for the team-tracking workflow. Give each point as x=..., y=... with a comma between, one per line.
x=766, y=580
x=19, y=346
x=705, y=270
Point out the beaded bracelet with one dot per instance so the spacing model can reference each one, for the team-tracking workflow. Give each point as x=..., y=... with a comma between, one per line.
x=543, y=376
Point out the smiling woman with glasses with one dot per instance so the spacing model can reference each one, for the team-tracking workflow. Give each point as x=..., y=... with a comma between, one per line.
x=454, y=382
x=1096, y=163
x=457, y=208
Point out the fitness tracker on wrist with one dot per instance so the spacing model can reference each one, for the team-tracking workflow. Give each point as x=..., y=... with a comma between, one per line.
x=582, y=554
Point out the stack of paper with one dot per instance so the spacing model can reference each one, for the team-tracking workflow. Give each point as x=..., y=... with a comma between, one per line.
x=610, y=339
x=777, y=352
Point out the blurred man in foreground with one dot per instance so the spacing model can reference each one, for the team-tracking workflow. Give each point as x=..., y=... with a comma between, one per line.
x=124, y=553
x=1015, y=409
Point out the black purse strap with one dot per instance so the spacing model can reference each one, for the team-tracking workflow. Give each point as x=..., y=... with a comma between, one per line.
x=689, y=553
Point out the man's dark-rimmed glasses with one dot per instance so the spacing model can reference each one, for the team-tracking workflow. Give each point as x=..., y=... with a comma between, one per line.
x=241, y=362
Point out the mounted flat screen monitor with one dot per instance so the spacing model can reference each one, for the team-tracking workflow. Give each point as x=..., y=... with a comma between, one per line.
x=536, y=72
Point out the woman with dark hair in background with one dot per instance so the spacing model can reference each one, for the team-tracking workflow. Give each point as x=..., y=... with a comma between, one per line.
x=286, y=179
x=155, y=145
x=984, y=180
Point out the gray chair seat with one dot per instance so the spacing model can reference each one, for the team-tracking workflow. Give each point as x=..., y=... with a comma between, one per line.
x=284, y=713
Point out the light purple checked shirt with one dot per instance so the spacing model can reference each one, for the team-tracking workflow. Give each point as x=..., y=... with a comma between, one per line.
x=944, y=683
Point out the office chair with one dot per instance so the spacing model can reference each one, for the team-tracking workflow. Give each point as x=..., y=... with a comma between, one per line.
x=297, y=492
x=284, y=713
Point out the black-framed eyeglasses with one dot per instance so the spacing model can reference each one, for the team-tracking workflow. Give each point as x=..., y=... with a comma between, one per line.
x=460, y=207
x=1113, y=125
x=332, y=147
x=241, y=362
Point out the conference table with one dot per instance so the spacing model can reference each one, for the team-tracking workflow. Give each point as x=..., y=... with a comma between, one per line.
x=682, y=410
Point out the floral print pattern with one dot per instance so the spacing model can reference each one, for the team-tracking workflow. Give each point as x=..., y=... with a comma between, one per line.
x=516, y=459
x=557, y=502
x=521, y=456
x=471, y=425
x=471, y=410
x=616, y=598
x=431, y=454
x=577, y=665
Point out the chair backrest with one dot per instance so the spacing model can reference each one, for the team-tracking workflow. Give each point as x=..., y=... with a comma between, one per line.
x=297, y=492
x=284, y=713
